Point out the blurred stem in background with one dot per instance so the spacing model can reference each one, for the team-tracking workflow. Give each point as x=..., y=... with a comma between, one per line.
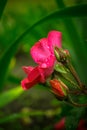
x=84, y=24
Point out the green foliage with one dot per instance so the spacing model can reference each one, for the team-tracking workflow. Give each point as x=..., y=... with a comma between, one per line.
x=9, y=96
x=60, y=68
x=73, y=118
x=2, y=6
x=17, y=34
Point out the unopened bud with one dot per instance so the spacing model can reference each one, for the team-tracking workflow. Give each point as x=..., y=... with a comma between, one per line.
x=60, y=68
x=67, y=52
x=61, y=55
x=57, y=54
x=59, y=89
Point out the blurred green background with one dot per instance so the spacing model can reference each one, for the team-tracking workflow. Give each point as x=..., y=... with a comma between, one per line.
x=37, y=108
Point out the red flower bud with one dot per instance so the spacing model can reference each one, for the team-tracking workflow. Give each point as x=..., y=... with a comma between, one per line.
x=67, y=52
x=59, y=88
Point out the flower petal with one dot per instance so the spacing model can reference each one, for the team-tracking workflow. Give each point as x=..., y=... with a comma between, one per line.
x=54, y=39
x=40, y=51
x=60, y=125
x=35, y=76
x=27, y=69
x=26, y=84
x=35, y=73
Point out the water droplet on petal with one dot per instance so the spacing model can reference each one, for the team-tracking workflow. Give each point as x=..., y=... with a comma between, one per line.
x=44, y=65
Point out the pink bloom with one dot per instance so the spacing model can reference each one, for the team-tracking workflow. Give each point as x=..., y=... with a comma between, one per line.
x=61, y=125
x=82, y=125
x=43, y=54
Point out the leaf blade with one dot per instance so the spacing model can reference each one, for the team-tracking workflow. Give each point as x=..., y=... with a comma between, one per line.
x=9, y=96
x=2, y=6
x=73, y=118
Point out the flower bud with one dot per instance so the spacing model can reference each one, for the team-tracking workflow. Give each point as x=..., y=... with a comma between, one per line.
x=67, y=53
x=57, y=53
x=61, y=55
x=59, y=89
x=60, y=68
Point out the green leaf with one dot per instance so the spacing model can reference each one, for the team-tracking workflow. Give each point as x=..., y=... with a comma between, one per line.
x=10, y=95
x=60, y=68
x=73, y=118
x=2, y=6
x=79, y=10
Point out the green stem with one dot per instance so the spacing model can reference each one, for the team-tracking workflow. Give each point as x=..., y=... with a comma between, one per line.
x=74, y=73
x=75, y=103
x=72, y=70
x=75, y=92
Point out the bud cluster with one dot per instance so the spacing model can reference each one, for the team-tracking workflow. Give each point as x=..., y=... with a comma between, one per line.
x=63, y=70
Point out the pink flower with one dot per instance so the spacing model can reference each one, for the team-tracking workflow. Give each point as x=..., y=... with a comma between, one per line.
x=82, y=125
x=61, y=124
x=43, y=54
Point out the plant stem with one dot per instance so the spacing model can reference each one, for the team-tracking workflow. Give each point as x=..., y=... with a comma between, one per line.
x=74, y=73
x=76, y=92
x=69, y=100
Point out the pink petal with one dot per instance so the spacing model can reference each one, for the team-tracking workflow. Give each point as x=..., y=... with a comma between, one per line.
x=26, y=84
x=54, y=39
x=27, y=69
x=40, y=51
x=60, y=125
x=42, y=75
x=49, y=61
x=47, y=72
x=34, y=72
x=35, y=76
